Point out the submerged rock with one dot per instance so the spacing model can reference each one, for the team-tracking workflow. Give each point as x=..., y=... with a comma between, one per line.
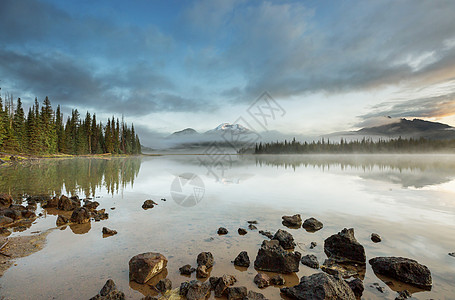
x=144, y=266
x=266, y=233
x=273, y=258
x=285, y=238
x=343, y=246
x=452, y=254
x=252, y=222
x=294, y=221
x=222, y=231
x=375, y=238
x=108, y=231
x=311, y=261
x=262, y=280
x=312, y=225
x=403, y=295
x=242, y=231
x=80, y=215
x=403, y=269
x=252, y=227
x=164, y=285
x=320, y=286
x=277, y=280
x=109, y=292
x=242, y=260
x=313, y=244
x=237, y=293
x=186, y=270
x=356, y=286
x=205, y=259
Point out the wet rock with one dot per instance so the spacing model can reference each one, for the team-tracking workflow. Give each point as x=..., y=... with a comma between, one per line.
x=195, y=290
x=311, y=261
x=38, y=198
x=346, y=270
x=403, y=295
x=252, y=227
x=28, y=214
x=186, y=270
x=237, y=293
x=222, y=230
x=242, y=260
x=164, y=285
x=91, y=205
x=221, y=284
x=80, y=215
x=294, y=221
x=4, y=220
x=65, y=203
x=5, y=200
x=266, y=233
x=320, y=286
x=285, y=238
x=148, y=297
x=356, y=286
x=375, y=238
x=242, y=231
x=149, y=204
x=61, y=220
x=277, y=280
x=343, y=246
x=252, y=222
x=4, y=231
x=313, y=244
x=452, y=254
x=108, y=231
x=254, y=296
x=51, y=203
x=144, y=266
x=12, y=213
x=109, y=292
x=205, y=259
x=201, y=272
x=312, y=225
x=262, y=280
x=403, y=269
x=99, y=215
x=273, y=258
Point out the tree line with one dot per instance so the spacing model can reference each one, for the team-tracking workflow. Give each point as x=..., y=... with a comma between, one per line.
x=44, y=131
x=365, y=145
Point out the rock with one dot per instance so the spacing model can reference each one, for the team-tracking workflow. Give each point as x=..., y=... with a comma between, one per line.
x=375, y=238
x=312, y=225
x=5, y=200
x=346, y=270
x=80, y=215
x=108, y=231
x=356, y=286
x=313, y=244
x=266, y=233
x=403, y=295
x=222, y=230
x=343, y=246
x=311, y=261
x=148, y=297
x=12, y=214
x=277, y=280
x=65, y=203
x=273, y=258
x=61, y=220
x=4, y=231
x=205, y=259
x=27, y=214
x=109, y=292
x=221, y=284
x=252, y=227
x=38, y=198
x=252, y=222
x=254, y=296
x=149, y=204
x=242, y=260
x=164, y=285
x=320, y=286
x=144, y=266
x=262, y=280
x=201, y=272
x=294, y=221
x=452, y=254
x=4, y=220
x=195, y=290
x=403, y=269
x=237, y=293
x=91, y=205
x=99, y=215
x=51, y=203
x=285, y=238
x=186, y=270
x=242, y=231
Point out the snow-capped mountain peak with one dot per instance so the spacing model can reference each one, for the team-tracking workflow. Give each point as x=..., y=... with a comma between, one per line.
x=229, y=127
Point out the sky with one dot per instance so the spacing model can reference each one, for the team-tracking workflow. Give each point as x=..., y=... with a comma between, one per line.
x=169, y=65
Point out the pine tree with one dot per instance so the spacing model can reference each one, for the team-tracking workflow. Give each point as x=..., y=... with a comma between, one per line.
x=19, y=126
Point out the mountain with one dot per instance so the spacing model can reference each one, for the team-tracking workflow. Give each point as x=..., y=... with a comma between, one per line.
x=224, y=127
x=184, y=132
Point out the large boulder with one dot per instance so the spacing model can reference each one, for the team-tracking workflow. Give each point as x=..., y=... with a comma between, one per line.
x=144, y=266
x=312, y=225
x=273, y=258
x=285, y=238
x=80, y=215
x=294, y=221
x=403, y=269
x=320, y=286
x=109, y=292
x=343, y=246
x=65, y=203
x=5, y=200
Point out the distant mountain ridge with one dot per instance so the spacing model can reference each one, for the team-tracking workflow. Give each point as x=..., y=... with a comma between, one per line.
x=406, y=127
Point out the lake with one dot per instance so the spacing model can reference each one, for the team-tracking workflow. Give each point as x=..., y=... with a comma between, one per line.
x=409, y=200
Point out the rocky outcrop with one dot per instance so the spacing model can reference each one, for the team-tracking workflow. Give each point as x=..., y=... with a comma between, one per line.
x=320, y=286
x=109, y=292
x=311, y=261
x=273, y=258
x=285, y=239
x=262, y=280
x=144, y=266
x=294, y=221
x=403, y=269
x=312, y=225
x=80, y=215
x=242, y=260
x=343, y=246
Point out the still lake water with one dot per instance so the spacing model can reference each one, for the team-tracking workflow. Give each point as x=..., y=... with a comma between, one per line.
x=408, y=200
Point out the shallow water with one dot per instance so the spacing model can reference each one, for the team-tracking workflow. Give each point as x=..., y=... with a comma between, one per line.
x=408, y=200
